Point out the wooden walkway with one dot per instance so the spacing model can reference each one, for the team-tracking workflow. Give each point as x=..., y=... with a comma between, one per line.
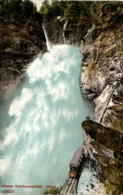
x=70, y=187
x=71, y=184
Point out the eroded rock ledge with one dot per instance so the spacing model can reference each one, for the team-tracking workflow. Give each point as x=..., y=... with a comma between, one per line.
x=107, y=150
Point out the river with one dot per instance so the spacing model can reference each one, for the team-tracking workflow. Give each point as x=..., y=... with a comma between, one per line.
x=40, y=124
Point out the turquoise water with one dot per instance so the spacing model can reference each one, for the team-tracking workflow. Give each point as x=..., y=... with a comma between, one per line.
x=41, y=122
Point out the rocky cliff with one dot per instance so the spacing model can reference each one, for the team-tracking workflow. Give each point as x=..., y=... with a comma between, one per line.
x=100, y=38
x=21, y=39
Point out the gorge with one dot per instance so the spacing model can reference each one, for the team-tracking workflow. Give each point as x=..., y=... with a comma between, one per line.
x=99, y=36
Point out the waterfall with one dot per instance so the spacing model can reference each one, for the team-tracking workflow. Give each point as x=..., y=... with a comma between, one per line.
x=48, y=43
x=41, y=123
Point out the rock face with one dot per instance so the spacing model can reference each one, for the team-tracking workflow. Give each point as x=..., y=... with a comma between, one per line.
x=108, y=144
x=19, y=44
x=100, y=38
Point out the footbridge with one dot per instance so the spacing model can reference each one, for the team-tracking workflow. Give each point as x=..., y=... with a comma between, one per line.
x=71, y=184
x=70, y=187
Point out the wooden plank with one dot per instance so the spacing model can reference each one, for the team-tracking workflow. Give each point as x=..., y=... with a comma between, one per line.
x=65, y=187
x=70, y=190
x=75, y=187
x=70, y=187
x=69, y=183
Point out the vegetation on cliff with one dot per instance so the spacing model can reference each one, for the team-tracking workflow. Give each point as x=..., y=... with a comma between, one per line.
x=80, y=9
x=21, y=11
x=65, y=9
x=55, y=190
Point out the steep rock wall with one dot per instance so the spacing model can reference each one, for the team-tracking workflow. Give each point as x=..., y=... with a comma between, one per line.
x=19, y=44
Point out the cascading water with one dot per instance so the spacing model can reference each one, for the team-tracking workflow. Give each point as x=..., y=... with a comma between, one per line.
x=46, y=37
x=41, y=122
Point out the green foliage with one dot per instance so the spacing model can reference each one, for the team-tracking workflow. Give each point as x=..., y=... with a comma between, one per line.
x=77, y=8
x=18, y=10
x=65, y=9
x=52, y=191
x=50, y=11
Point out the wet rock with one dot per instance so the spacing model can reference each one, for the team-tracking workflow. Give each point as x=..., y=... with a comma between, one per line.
x=107, y=144
x=19, y=45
